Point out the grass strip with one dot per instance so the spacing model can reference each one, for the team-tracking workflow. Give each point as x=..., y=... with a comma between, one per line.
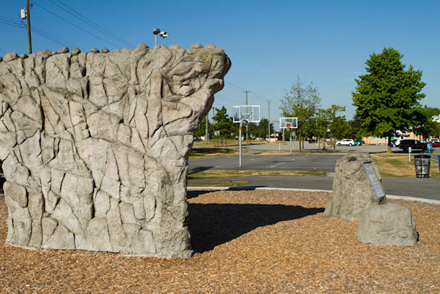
x=393, y=165
x=218, y=184
x=198, y=153
x=218, y=173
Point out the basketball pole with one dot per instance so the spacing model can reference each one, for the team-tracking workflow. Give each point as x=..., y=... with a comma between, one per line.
x=239, y=144
x=290, y=134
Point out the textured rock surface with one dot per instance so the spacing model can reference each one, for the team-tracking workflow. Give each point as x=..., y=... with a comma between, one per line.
x=95, y=145
x=388, y=224
x=352, y=188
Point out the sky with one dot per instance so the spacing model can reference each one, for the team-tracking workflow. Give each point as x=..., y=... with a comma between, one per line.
x=270, y=43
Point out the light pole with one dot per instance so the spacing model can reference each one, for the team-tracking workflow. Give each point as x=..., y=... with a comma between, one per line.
x=156, y=32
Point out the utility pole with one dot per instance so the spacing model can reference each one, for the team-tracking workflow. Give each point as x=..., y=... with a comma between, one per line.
x=268, y=120
x=247, y=124
x=28, y=19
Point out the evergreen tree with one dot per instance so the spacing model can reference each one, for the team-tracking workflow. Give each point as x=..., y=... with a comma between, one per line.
x=263, y=128
x=223, y=123
x=387, y=96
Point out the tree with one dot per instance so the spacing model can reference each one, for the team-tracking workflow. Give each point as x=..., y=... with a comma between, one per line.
x=263, y=128
x=223, y=123
x=387, y=96
x=355, y=126
x=425, y=125
x=201, y=130
x=300, y=102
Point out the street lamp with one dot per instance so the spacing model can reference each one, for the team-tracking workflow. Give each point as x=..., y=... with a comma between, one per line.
x=156, y=32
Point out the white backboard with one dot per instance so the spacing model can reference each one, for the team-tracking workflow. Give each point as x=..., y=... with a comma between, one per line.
x=248, y=113
x=288, y=123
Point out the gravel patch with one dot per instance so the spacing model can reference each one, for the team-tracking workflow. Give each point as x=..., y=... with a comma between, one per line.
x=245, y=242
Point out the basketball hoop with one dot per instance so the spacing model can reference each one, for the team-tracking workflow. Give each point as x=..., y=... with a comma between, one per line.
x=288, y=123
x=246, y=114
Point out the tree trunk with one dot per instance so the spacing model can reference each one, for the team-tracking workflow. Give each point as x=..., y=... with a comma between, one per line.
x=389, y=143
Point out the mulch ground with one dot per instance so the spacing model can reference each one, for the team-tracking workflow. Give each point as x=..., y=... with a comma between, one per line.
x=244, y=242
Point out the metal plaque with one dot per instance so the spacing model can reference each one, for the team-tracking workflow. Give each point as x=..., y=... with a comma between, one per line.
x=374, y=181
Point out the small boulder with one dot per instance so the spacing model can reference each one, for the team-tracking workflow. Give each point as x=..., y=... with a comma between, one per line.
x=76, y=51
x=10, y=56
x=388, y=224
x=63, y=50
x=356, y=186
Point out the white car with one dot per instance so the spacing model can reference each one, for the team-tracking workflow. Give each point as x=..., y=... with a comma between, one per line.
x=345, y=142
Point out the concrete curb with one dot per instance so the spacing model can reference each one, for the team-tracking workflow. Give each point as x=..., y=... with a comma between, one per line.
x=408, y=198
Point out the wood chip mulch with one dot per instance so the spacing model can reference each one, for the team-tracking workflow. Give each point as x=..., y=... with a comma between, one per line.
x=244, y=242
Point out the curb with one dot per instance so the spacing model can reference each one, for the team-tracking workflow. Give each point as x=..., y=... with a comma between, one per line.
x=408, y=198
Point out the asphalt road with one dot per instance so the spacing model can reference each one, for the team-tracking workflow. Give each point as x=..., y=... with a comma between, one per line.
x=412, y=187
x=300, y=162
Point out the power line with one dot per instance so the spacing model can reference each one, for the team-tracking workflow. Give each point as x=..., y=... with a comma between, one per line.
x=38, y=31
x=51, y=37
x=228, y=84
x=17, y=25
x=91, y=23
x=78, y=27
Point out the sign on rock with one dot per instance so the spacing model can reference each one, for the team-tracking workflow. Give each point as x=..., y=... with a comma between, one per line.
x=374, y=182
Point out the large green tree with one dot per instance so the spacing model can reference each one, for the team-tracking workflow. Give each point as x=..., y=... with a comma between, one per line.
x=388, y=95
x=425, y=124
x=301, y=102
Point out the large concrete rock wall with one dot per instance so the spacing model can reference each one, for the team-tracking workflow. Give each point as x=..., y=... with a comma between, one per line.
x=95, y=145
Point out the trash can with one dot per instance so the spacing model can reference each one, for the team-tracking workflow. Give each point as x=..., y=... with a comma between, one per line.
x=423, y=165
x=429, y=148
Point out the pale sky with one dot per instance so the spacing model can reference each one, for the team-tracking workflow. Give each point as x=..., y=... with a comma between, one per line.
x=269, y=43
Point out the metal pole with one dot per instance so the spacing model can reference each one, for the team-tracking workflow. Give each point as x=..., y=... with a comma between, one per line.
x=290, y=141
x=247, y=124
x=268, y=120
x=239, y=144
x=28, y=19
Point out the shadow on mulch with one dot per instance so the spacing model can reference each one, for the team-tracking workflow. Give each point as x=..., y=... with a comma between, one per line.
x=215, y=224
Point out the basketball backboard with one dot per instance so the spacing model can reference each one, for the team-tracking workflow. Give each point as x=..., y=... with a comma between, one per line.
x=288, y=122
x=248, y=113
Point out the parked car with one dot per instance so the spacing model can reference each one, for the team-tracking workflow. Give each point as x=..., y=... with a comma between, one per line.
x=345, y=142
x=435, y=144
x=414, y=144
x=357, y=143
x=395, y=142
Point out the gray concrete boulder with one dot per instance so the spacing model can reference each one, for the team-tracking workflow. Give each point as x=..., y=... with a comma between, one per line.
x=388, y=224
x=356, y=185
x=95, y=145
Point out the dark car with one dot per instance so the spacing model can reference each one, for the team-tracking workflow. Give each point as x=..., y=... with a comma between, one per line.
x=414, y=144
